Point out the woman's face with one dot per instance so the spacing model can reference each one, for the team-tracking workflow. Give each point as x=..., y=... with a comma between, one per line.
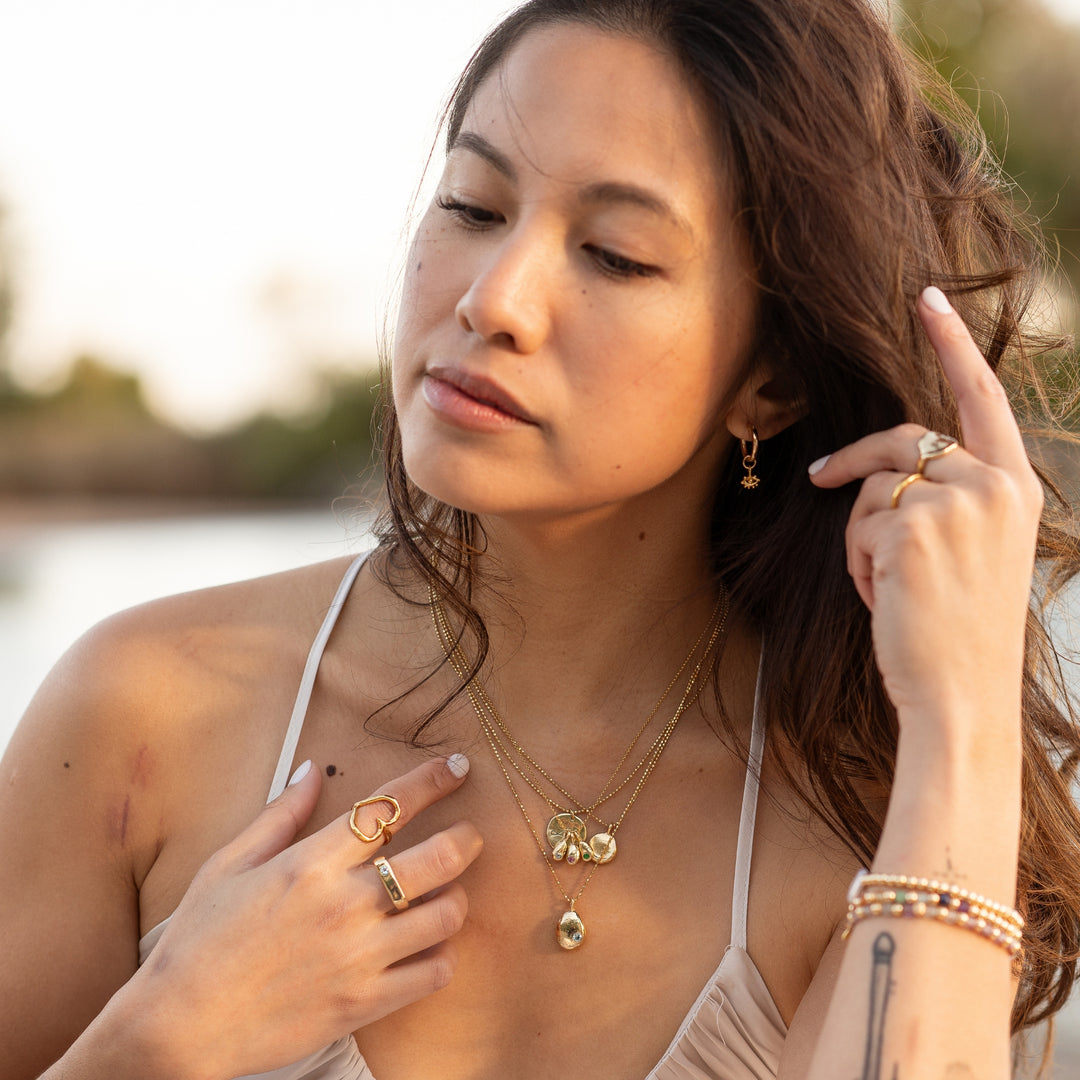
x=578, y=307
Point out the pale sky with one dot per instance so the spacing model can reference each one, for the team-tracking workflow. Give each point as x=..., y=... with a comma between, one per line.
x=210, y=191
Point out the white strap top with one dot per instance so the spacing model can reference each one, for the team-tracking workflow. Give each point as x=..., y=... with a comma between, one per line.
x=734, y=1030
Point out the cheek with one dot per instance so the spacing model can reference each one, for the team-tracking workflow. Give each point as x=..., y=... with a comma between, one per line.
x=429, y=296
x=658, y=358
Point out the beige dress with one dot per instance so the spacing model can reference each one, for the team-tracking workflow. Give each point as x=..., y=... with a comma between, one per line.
x=733, y=1031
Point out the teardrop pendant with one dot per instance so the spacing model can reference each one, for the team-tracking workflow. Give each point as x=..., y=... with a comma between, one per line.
x=571, y=932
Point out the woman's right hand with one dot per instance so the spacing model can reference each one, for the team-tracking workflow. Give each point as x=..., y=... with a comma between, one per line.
x=279, y=948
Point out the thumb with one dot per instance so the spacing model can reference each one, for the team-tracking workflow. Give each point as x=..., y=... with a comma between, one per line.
x=277, y=825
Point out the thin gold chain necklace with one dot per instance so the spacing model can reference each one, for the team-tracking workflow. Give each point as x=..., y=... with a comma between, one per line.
x=574, y=807
x=566, y=831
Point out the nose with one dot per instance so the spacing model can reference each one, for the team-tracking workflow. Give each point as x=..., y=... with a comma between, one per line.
x=506, y=303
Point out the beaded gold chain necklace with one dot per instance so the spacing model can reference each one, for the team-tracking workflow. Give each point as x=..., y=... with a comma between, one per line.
x=566, y=831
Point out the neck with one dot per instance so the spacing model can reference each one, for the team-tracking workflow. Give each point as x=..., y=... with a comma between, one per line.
x=590, y=618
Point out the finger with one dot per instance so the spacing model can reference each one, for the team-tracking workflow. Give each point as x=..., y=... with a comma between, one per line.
x=278, y=823
x=414, y=792
x=424, y=926
x=893, y=449
x=431, y=864
x=864, y=541
x=986, y=418
x=883, y=491
x=409, y=981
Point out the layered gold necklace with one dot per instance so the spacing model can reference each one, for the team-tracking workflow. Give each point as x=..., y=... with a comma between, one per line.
x=567, y=832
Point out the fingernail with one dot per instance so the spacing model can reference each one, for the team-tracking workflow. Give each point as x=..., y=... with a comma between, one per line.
x=936, y=300
x=816, y=466
x=458, y=764
x=300, y=773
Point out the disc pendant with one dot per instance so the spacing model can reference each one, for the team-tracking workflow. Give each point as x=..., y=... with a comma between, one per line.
x=566, y=828
x=602, y=845
x=571, y=930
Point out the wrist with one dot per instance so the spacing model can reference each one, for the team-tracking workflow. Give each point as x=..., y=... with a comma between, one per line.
x=955, y=807
x=135, y=1036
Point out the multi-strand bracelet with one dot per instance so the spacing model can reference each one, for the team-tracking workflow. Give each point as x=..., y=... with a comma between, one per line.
x=873, y=896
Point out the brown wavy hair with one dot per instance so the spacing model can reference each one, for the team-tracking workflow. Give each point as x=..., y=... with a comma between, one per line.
x=858, y=180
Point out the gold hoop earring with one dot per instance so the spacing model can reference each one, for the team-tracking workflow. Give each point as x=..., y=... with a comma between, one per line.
x=749, y=461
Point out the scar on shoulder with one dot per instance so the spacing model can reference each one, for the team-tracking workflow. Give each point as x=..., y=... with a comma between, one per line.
x=118, y=818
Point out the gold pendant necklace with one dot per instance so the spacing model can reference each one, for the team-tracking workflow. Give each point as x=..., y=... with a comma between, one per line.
x=566, y=832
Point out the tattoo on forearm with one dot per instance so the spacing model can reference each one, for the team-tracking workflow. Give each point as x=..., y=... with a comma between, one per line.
x=880, y=989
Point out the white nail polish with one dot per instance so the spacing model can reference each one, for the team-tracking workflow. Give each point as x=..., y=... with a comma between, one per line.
x=816, y=466
x=300, y=773
x=458, y=764
x=936, y=300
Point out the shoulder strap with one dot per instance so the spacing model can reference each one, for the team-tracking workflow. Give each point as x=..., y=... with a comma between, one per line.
x=307, y=680
x=741, y=892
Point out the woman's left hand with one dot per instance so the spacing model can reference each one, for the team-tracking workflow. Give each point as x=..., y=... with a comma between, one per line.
x=946, y=573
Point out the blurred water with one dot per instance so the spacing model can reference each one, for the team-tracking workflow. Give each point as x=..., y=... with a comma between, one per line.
x=56, y=581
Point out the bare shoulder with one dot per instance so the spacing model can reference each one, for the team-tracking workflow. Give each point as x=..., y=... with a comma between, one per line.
x=138, y=711
x=158, y=720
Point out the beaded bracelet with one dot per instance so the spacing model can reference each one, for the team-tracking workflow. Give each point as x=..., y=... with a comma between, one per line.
x=919, y=902
x=898, y=896
x=950, y=894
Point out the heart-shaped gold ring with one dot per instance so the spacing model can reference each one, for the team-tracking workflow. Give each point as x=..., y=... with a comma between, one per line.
x=382, y=825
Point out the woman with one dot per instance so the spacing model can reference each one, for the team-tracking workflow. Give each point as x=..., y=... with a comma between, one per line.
x=698, y=683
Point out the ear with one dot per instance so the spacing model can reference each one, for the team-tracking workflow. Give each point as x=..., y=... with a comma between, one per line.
x=767, y=403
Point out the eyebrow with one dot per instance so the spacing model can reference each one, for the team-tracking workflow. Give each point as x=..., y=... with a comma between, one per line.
x=603, y=192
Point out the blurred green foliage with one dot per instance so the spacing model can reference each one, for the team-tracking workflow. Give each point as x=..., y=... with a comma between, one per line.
x=1018, y=67
x=96, y=436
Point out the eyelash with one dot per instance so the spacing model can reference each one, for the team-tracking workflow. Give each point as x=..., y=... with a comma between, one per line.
x=608, y=262
x=472, y=217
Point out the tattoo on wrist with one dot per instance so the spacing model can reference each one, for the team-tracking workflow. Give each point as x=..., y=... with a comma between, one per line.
x=881, y=986
x=881, y=983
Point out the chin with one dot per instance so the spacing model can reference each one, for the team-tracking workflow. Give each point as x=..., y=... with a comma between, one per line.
x=474, y=487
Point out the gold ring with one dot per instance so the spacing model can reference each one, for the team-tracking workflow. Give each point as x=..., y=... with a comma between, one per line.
x=900, y=488
x=382, y=825
x=933, y=445
x=391, y=883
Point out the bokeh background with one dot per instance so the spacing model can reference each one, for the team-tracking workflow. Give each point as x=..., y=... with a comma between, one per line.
x=203, y=206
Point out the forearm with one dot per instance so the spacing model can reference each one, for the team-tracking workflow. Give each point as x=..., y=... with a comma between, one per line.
x=917, y=998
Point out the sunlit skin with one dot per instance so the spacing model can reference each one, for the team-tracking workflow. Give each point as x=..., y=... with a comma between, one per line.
x=579, y=256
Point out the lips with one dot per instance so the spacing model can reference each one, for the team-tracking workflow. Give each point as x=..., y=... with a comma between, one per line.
x=481, y=389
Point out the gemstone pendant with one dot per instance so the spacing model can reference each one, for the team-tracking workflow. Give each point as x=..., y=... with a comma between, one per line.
x=571, y=930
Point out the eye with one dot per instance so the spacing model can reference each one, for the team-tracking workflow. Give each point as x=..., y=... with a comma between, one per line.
x=618, y=265
x=468, y=214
